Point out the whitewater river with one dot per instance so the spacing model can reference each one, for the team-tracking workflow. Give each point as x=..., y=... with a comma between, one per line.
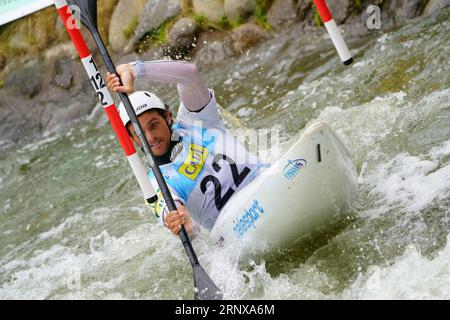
x=73, y=224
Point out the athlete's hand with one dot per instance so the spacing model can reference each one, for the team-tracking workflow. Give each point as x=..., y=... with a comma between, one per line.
x=125, y=72
x=175, y=219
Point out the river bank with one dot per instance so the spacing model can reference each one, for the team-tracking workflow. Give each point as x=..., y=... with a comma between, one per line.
x=43, y=86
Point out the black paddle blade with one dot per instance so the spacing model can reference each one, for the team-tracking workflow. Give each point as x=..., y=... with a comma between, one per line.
x=88, y=10
x=205, y=289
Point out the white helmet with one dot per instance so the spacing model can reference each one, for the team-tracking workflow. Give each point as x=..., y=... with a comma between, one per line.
x=141, y=101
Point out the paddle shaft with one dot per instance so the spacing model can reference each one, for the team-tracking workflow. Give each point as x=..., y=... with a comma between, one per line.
x=147, y=150
x=206, y=289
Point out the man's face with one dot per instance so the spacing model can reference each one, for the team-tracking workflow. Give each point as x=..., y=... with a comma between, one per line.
x=155, y=130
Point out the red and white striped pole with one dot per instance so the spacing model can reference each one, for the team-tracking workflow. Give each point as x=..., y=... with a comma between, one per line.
x=334, y=32
x=106, y=100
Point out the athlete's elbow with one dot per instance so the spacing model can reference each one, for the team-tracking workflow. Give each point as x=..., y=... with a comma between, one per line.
x=191, y=70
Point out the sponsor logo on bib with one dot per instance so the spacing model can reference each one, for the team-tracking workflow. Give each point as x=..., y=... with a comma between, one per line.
x=194, y=162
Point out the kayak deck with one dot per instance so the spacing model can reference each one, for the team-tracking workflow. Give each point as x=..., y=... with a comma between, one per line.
x=313, y=183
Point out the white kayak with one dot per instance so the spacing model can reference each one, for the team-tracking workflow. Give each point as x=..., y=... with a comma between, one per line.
x=314, y=182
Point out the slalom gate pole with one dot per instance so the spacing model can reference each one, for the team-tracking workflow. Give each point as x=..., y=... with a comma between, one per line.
x=106, y=100
x=334, y=32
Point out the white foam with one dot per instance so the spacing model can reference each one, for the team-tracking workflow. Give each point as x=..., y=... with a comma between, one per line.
x=413, y=181
x=361, y=127
x=245, y=112
x=439, y=152
x=411, y=276
x=37, y=144
x=50, y=273
x=384, y=38
x=228, y=267
x=58, y=230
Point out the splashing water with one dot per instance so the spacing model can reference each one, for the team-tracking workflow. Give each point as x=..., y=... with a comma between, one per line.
x=72, y=224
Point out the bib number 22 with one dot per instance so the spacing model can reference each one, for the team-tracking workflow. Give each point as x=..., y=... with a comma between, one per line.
x=238, y=178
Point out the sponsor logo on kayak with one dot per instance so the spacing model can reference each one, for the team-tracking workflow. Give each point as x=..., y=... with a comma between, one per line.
x=248, y=219
x=194, y=162
x=293, y=168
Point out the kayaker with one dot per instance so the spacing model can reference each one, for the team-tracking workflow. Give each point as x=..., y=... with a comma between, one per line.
x=202, y=163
